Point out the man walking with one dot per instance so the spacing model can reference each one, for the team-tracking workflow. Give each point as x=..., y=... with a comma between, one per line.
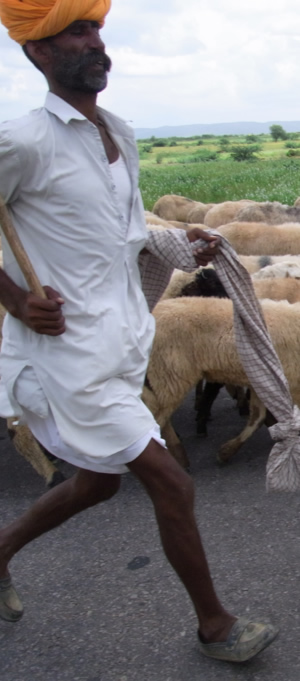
x=73, y=364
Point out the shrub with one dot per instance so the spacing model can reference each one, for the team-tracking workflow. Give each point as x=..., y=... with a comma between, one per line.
x=293, y=152
x=160, y=143
x=224, y=142
x=293, y=135
x=292, y=145
x=242, y=153
x=201, y=155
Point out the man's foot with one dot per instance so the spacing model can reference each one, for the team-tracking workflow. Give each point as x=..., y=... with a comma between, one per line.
x=11, y=608
x=245, y=640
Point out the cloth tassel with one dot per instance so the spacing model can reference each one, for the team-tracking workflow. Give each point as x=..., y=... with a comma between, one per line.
x=264, y=370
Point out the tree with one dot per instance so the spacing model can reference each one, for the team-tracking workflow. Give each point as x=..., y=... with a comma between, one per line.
x=278, y=132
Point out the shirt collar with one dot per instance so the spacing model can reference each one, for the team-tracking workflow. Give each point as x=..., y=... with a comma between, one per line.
x=66, y=113
x=61, y=108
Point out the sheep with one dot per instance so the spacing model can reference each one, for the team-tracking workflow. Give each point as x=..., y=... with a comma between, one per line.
x=271, y=212
x=260, y=263
x=279, y=270
x=178, y=280
x=194, y=340
x=203, y=281
x=179, y=208
x=27, y=446
x=207, y=283
x=225, y=212
x=251, y=238
x=154, y=220
x=280, y=288
x=260, y=266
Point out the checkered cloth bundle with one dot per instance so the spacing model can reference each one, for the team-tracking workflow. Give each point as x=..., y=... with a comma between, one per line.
x=169, y=249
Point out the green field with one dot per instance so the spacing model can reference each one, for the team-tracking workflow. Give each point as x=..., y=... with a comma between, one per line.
x=182, y=166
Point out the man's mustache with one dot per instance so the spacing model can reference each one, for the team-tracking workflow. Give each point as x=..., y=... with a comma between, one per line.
x=97, y=57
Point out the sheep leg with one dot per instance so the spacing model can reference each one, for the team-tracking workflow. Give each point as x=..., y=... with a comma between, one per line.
x=204, y=403
x=28, y=447
x=242, y=398
x=198, y=394
x=174, y=445
x=256, y=418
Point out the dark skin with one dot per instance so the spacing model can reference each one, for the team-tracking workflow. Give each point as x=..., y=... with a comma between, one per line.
x=169, y=487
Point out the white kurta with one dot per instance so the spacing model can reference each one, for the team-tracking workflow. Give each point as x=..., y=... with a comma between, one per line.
x=56, y=180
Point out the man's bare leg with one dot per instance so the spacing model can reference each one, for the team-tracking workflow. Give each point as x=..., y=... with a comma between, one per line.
x=172, y=494
x=82, y=490
x=171, y=491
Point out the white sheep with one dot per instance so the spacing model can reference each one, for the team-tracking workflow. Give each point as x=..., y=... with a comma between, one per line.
x=258, y=238
x=282, y=269
x=180, y=208
x=152, y=219
x=260, y=263
x=279, y=288
x=195, y=340
x=271, y=212
x=225, y=212
x=205, y=282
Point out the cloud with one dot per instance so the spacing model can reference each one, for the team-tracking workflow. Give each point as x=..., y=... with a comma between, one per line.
x=203, y=61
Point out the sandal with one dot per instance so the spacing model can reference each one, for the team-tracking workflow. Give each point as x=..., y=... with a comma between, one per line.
x=11, y=608
x=245, y=640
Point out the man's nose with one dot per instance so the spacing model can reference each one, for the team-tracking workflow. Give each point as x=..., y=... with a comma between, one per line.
x=95, y=40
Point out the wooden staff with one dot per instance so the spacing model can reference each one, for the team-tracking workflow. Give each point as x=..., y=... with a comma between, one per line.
x=19, y=251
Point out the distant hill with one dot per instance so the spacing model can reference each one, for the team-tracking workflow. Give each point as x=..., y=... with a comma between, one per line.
x=240, y=128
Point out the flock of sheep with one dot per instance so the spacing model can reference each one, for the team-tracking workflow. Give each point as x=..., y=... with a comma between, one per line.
x=194, y=340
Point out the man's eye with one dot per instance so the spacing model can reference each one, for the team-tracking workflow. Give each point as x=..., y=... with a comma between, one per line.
x=77, y=30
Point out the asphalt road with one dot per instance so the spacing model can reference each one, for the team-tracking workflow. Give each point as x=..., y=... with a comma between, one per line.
x=101, y=602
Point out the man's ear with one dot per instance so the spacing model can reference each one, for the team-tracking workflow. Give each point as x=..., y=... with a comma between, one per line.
x=39, y=51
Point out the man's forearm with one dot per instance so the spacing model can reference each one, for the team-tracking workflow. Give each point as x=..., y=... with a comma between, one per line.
x=42, y=315
x=11, y=295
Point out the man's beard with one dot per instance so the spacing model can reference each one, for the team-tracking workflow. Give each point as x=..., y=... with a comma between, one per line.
x=73, y=71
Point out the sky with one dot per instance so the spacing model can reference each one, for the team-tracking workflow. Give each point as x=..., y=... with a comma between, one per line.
x=180, y=63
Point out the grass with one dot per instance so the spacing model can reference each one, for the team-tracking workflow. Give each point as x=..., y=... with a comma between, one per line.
x=273, y=176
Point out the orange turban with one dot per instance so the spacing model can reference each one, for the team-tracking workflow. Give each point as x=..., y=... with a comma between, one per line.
x=36, y=19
